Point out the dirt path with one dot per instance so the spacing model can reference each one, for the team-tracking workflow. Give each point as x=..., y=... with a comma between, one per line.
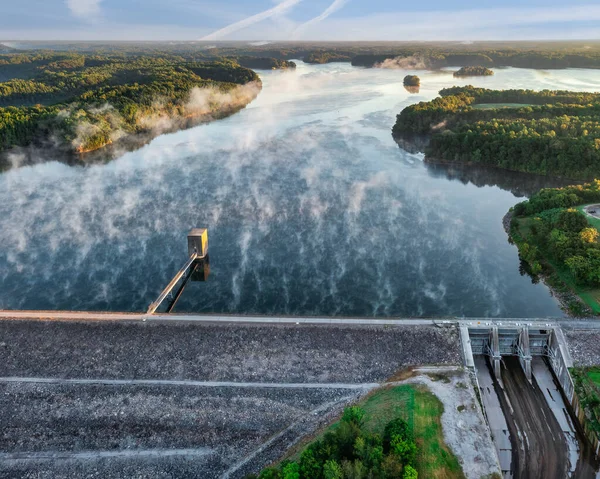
x=538, y=440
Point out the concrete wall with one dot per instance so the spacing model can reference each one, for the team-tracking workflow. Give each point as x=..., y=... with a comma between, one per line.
x=560, y=361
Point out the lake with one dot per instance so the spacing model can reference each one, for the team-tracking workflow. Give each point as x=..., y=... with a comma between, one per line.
x=312, y=209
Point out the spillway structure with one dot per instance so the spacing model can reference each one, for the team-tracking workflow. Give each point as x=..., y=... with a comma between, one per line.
x=529, y=400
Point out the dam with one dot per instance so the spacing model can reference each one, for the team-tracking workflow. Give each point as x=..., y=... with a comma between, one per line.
x=160, y=379
x=527, y=393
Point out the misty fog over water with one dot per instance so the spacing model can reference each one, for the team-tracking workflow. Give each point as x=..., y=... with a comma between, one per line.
x=312, y=209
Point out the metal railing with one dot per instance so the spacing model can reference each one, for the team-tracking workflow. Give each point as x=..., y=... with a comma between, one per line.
x=180, y=274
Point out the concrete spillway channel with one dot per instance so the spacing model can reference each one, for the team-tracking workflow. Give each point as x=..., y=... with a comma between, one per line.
x=525, y=389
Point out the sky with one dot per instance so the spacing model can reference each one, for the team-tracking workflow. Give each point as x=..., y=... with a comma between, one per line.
x=264, y=20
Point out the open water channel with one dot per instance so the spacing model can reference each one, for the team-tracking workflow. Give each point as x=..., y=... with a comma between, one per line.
x=312, y=209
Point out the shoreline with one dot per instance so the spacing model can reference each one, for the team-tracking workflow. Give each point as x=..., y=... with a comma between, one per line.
x=30, y=155
x=436, y=161
x=563, y=297
x=417, y=143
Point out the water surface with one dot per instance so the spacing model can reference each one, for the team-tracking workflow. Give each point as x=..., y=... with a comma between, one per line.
x=311, y=207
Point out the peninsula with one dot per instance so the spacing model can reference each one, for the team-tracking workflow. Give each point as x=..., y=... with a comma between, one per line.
x=553, y=133
x=71, y=103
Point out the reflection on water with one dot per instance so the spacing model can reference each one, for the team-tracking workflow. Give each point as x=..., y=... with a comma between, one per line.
x=519, y=184
x=312, y=209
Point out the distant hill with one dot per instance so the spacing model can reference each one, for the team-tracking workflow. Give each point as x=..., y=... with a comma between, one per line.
x=6, y=49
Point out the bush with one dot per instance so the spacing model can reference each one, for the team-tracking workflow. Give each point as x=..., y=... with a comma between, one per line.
x=353, y=415
x=410, y=473
x=396, y=428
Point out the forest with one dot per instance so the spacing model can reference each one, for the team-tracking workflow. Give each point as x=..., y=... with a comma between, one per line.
x=81, y=102
x=433, y=55
x=555, y=133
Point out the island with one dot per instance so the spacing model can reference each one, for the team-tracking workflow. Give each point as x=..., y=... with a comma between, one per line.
x=552, y=133
x=557, y=237
x=412, y=80
x=475, y=71
x=67, y=104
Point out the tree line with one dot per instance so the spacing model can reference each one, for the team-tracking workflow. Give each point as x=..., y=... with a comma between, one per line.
x=554, y=133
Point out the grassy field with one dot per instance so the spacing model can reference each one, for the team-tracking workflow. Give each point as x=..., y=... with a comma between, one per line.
x=591, y=296
x=498, y=106
x=422, y=410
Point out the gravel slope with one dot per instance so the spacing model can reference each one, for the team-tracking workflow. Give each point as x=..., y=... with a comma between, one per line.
x=286, y=353
x=235, y=429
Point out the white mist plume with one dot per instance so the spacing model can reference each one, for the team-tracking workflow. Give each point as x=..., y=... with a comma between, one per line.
x=259, y=17
x=334, y=7
x=291, y=194
x=202, y=102
x=84, y=8
x=414, y=62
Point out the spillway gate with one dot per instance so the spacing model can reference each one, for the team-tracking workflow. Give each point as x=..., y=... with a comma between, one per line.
x=523, y=342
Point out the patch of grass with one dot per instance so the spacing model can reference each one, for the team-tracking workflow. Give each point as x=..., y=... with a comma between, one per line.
x=594, y=375
x=499, y=106
x=422, y=411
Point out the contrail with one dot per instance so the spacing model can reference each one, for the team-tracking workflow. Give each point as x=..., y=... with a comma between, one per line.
x=334, y=7
x=234, y=27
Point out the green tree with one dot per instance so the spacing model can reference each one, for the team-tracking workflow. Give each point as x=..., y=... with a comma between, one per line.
x=410, y=473
x=579, y=267
x=353, y=415
x=332, y=470
x=396, y=427
x=270, y=473
x=291, y=470
x=405, y=449
x=369, y=449
x=353, y=469
x=310, y=465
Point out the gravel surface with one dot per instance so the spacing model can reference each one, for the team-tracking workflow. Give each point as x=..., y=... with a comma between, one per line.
x=286, y=353
x=234, y=430
x=230, y=422
x=465, y=430
x=584, y=347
